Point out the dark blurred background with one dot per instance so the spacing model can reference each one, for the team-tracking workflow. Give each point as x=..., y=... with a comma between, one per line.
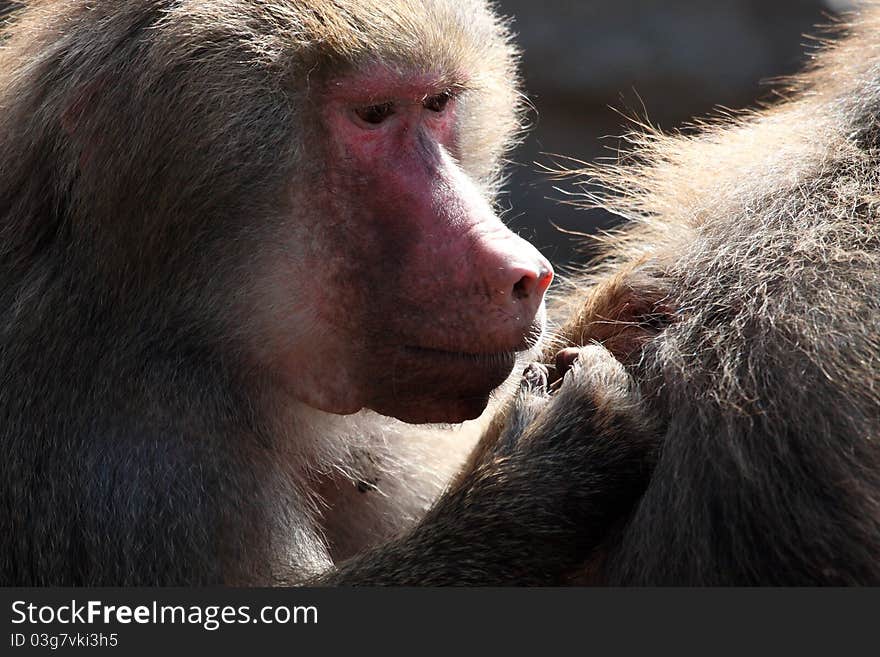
x=669, y=60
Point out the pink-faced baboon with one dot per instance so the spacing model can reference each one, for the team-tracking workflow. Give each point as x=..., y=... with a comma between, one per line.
x=239, y=242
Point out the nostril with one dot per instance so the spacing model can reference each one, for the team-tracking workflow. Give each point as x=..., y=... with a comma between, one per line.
x=522, y=288
x=532, y=284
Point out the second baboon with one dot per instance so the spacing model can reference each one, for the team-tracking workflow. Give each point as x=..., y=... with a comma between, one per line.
x=744, y=298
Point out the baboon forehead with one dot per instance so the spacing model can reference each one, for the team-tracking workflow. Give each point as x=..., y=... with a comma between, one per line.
x=446, y=35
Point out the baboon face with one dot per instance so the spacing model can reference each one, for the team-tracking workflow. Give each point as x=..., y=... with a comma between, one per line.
x=309, y=183
x=397, y=287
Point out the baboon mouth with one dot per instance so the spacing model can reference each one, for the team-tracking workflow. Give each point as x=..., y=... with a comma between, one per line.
x=476, y=357
x=529, y=342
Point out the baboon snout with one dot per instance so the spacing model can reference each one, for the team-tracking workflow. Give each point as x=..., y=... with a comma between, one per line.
x=517, y=275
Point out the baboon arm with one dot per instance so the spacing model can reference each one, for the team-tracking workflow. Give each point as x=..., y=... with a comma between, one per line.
x=475, y=538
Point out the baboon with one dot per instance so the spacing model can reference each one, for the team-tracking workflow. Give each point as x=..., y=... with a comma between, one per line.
x=242, y=244
x=743, y=297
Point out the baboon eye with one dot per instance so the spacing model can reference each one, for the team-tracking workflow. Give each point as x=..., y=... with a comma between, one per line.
x=438, y=102
x=375, y=114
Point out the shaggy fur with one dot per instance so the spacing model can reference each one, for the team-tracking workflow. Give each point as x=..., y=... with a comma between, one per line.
x=744, y=296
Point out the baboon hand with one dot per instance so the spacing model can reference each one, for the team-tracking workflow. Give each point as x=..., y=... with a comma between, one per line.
x=592, y=442
x=531, y=398
x=593, y=400
x=596, y=382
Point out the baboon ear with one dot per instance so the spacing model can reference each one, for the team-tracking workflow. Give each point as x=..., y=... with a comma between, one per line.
x=81, y=98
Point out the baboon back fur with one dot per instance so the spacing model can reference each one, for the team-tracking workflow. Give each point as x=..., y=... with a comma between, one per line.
x=744, y=295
